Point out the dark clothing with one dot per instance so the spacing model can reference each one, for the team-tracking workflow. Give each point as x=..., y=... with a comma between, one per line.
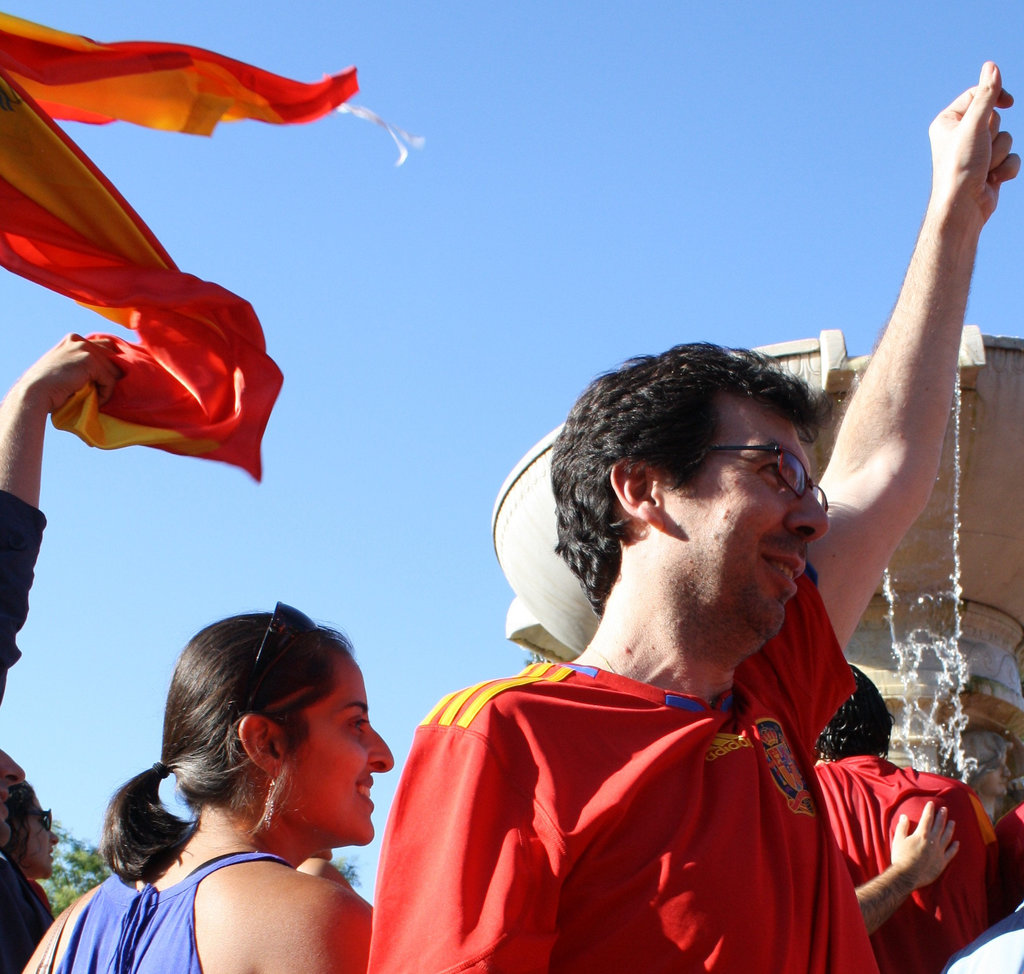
x=21, y=532
x=23, y=919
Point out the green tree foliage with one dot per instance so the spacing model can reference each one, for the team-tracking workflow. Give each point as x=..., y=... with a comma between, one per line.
x=348, y=869
x=77, y=868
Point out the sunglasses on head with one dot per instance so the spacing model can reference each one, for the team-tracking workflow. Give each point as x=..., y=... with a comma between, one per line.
x=285, y=626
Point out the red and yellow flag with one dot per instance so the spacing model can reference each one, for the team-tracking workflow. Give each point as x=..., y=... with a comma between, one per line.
x=162, y=86
x=199, y=382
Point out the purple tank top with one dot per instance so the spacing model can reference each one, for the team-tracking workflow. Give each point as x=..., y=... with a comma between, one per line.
x=124, y=930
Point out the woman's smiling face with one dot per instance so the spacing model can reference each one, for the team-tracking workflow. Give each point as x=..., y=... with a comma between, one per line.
x=332, y=770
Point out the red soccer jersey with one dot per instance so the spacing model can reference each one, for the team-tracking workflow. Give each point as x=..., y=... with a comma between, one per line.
x=573, y=820
x=865, y=797
x=1010, y=835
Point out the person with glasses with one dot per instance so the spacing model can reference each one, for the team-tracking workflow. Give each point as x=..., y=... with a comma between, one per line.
x=268, y=738
x=32, y=840
x=653, y=806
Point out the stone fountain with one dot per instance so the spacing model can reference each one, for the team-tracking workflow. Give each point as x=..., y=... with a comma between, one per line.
x=968, y=595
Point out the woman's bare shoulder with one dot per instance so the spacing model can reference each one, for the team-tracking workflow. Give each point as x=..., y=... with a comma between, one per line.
x=264, y=916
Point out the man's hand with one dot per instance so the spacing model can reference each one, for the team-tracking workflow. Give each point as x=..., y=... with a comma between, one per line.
x=922, y=855
x=43, y=389
x=918, y=858
x=971, y=157
x=66, y=368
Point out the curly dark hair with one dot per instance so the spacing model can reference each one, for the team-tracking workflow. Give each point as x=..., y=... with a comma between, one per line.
x=862, y=725
x=659, y=410
x=21, y=800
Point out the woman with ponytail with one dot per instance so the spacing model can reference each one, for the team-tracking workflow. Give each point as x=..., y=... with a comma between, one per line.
x=267, y=737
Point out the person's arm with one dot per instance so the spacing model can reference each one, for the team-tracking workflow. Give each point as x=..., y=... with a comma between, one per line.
x=918, y=858
x=888, y=448
x=42, y=390
x=46, y=386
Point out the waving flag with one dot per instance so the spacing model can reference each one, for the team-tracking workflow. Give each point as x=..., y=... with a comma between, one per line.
x=199, y=382
x=162, y=86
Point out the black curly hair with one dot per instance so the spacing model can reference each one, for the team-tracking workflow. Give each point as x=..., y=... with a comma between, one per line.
x=21, y=801
x=862, y=725
x=659, y=410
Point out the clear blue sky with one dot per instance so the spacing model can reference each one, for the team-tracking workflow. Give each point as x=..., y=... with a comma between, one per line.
x=598, y=180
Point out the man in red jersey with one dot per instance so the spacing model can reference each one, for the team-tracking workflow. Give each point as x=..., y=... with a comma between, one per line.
x=1010, y=836
x=654, y=806
x=917, y=918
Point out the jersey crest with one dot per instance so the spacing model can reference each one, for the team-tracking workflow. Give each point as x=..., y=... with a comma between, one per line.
x=783, y=767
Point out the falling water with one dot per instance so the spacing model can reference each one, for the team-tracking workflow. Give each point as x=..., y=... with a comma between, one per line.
x=926, y=635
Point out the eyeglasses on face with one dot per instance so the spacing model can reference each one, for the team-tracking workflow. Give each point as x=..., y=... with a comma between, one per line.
x=790, y=470
x=285, y=626
x=45, y=818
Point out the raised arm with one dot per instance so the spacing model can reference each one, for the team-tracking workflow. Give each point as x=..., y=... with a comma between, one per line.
x=46, y=386
x=43, y=389
x=888, y=448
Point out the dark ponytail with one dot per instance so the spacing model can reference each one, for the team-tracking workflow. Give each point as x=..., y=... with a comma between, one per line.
x=201, y=746
x=139, y=833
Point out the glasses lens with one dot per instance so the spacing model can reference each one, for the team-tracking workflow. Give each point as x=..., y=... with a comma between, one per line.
x=47, y=818
x=792, y=472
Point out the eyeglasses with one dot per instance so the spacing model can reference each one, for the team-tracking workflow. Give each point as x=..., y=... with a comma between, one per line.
x=790, y=470
x=285, y=626
x=45, y=818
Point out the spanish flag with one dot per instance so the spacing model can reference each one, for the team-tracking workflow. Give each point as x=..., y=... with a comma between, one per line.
x=199, y=381
x=162, y=86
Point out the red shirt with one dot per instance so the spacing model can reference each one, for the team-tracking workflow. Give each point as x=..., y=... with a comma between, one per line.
x=865, y=797
x=1010, y=834
x=574, y=820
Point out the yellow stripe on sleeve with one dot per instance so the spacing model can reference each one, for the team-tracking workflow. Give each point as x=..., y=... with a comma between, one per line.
x=447, y=710
x=560, y=673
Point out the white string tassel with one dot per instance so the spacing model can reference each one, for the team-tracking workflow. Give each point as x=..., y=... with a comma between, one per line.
x=400, y=136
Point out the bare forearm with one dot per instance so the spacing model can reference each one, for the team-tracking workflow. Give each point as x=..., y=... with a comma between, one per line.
x=902, y=405
x=22, y=430
x=881, y=897
x=888, y=448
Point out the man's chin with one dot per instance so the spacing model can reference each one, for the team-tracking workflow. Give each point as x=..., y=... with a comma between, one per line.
x=773, y=622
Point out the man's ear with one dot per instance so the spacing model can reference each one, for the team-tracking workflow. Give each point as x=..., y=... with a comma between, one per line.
x=640, y=490
x=263, y=740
